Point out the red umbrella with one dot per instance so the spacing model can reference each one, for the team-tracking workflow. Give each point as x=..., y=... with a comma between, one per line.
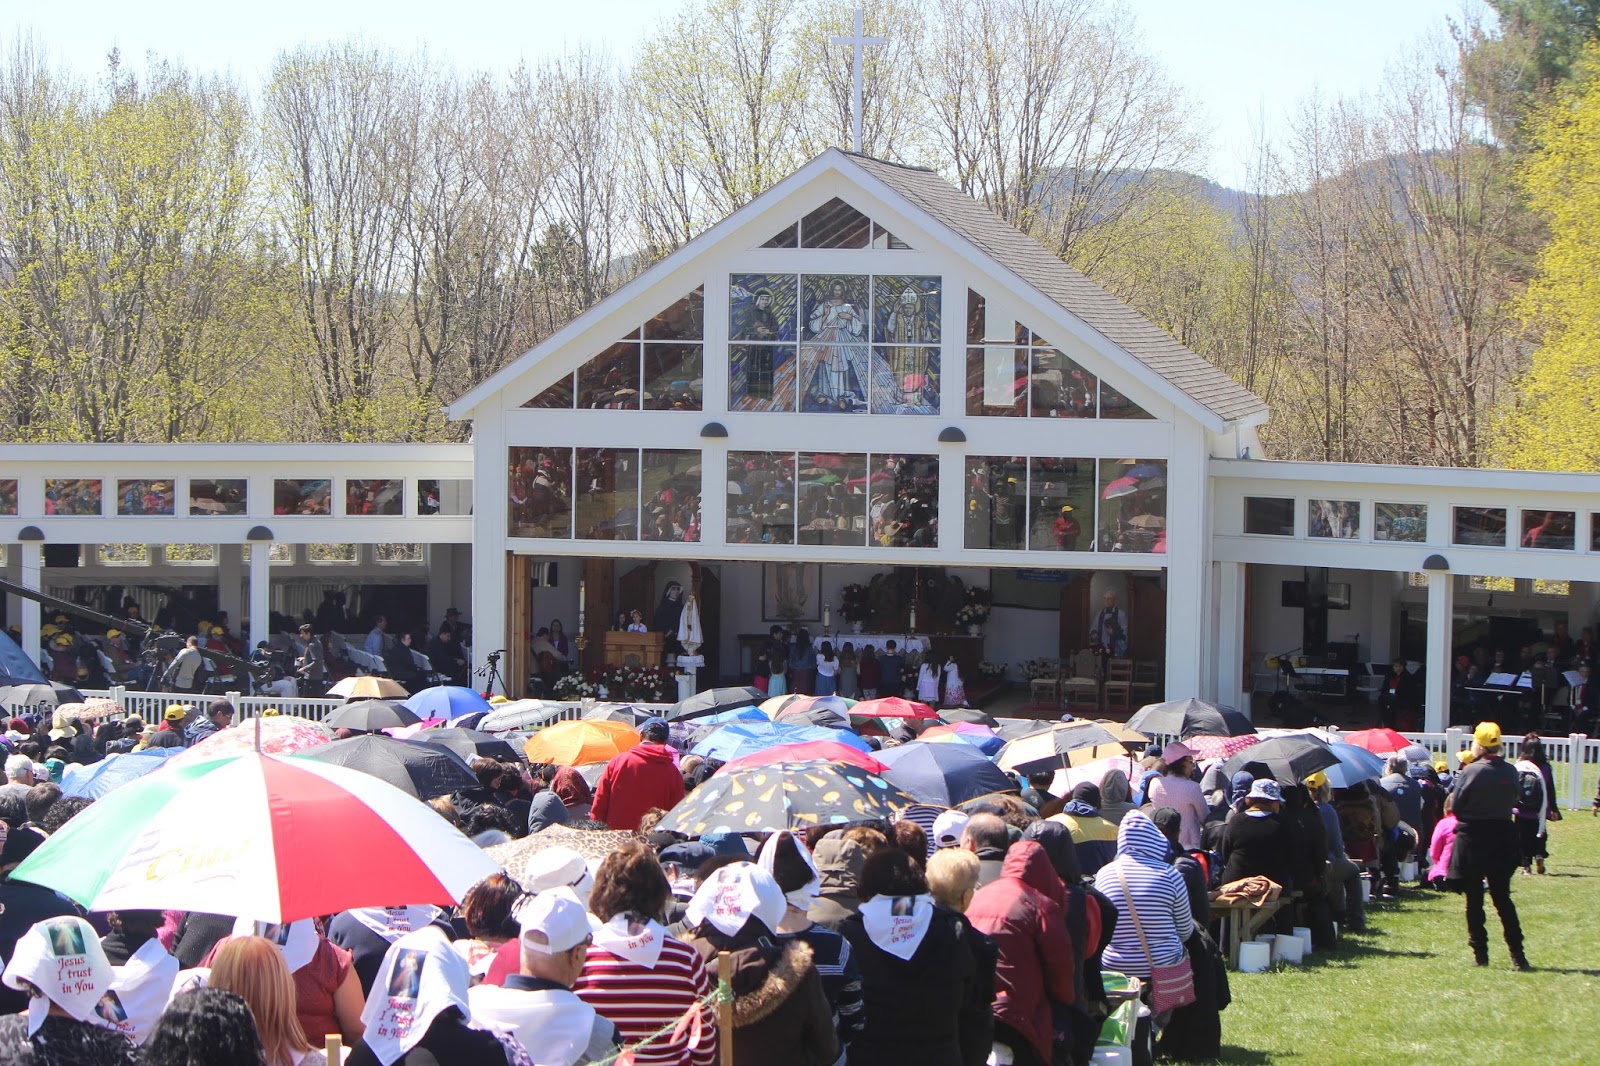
x=892, y=707
x=1383, y=741
x=1123, y=486
x=829, y=750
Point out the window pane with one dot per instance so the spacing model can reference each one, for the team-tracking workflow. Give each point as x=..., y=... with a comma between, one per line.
x=788, y=237
x=906, y=309
x=225, y=496
x=1483, y=527
x=905, y=381
x=557, y=397
x=761, y=377
x=1269, y=516
x=996, y=380
x=145, y=497
x=610, y=380
x=834, y=364
x=447, y=496
x=374, y=497
x=1549, y=529
x=1492, y=584
x=607, y=494
x=835, y=225
x=1336, y=519
x=331, y=553
x=276, y=553
x=8, y=496
x=671, y=496
x=977, y=316
x=1061, y=494
x=904, y=505
x=1548, y=587
x=71, y=496
x=124, y=554
x=882, y=238
x=1115, y=405
x=540, y=488
x=397, y=553
x=761, y=307
x=195, y=553
x=301, y=497
x=683, y=321
x=1403, y=522
x=997, y=501
x=673, y=378
x=1133, y=505
x=761, y=497
x=833, y=499
x=1060, y=387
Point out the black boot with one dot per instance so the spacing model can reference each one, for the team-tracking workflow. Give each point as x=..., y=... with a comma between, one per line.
x=1480, y=955
x=1519, y=961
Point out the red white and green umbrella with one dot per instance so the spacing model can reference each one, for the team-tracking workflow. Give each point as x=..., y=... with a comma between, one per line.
x=261, y=836
x=273, y=734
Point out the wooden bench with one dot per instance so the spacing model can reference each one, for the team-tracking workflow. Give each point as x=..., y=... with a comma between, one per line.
x=1241, y=921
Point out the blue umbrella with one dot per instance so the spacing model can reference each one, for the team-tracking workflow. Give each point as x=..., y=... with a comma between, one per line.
x=446, y=701
x=743, y=714
x=745, y=738
x=944, y=774
x=1355, y=764
x=97, y=779
x=1145, y=470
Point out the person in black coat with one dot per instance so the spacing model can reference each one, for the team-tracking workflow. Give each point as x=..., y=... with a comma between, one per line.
x=1486, y=846
x=1256, y=842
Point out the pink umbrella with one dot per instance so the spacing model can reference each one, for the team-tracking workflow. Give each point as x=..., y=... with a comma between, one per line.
x=892, y=707
x=1123, y=486
x=1093, y=773
x=405, y=732
x=830, y=750
x=1214, y=747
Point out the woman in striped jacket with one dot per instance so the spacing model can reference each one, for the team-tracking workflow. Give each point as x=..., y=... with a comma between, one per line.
x=1140, y=879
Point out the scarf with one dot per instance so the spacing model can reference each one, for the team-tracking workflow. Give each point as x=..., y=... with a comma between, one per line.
x=802, y=897
x=898, y=924
x=420, y=978
x=570, y=788
x=297, y=940
x=734, y=894
x=62, y=958
x=142, y=988
x=392, y=923
x=631, y=937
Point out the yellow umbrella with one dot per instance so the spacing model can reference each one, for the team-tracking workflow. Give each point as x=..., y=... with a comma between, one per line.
x=774, y=706
x=580, y=743
x=1122, y=732
x=369, y=687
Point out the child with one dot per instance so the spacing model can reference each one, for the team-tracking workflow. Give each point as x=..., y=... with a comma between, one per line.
x=869, y=672
x=928, y=683
x=1444, y=841
x=955, y=693
x=848, y=677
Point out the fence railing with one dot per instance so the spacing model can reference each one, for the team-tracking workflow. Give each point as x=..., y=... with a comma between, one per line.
x=151, y=705
x=1571, y=758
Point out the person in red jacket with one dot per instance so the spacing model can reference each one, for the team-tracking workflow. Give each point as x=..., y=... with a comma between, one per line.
x=643, y=777
x=1022, y=911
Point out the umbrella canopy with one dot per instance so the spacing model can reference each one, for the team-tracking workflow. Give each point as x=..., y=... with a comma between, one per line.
x=1379, y=741
x=580, y=743
x=446, y=701
x=774, y=706
x=99, y=778
x=471, y=744
x=407, y=732
x=969, y=714
x=1092, y=773
x=626, y=713
x=831, y=712
x=895, y=707
x=730, y=742
x=944, y=774
x=415, y=768
x=808, y=751
x=371, y=715
x=713, y=700
x=281, y=734
x=33, y=694
x=1355, y=764
x=260, y=836
x=1122, y=732
x=1290, y=759
x=972, y=734
x=1190, y=717
x=593, y=844
x=1122, y=486
x=1063, y=744
x=1209, y=747
x=791, y=795
x=519, y=714
x=368, y=687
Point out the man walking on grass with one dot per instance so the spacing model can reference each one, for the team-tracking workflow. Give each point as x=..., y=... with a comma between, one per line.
x=1486, y=849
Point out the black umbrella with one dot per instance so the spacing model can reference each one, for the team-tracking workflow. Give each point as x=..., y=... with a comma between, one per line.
x=970, y=714
x=1290, y=759
x=370, y=715
x=1063, y=744
x=32, y=694
x=713, y=701
x=422, y=770
x=470, y=744
x=1188, y=718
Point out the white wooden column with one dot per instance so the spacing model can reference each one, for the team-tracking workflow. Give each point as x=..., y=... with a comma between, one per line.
x=490, y=619
x=230, y=584
x=32, y=554
x=1188, y=553
x=260, y=592
x=1441, y=632
x=1229, y=665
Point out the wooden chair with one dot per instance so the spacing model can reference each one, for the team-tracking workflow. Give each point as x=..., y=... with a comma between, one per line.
x=1118, y=687
x=1046, y=689
x=1083, y=684
x=1146, y=682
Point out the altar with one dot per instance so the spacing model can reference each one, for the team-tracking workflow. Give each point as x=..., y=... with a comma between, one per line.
x=631, y=649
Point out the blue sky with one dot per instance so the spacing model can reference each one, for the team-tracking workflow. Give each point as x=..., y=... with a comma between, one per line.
x=1242, y=61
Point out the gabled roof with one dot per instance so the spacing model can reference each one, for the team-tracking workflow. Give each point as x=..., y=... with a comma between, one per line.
x=1190, y=376
x=1032, y=262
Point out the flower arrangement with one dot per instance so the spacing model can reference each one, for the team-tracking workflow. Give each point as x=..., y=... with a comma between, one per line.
x=853, y=605
x=632, y=683
x=991, y=671
x=975, y=610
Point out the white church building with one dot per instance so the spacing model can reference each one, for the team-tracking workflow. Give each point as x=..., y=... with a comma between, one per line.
x=861, y=394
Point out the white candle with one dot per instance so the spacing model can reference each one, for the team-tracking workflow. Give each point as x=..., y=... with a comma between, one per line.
x=581, y=592
x=827, y=615
x=913, y=616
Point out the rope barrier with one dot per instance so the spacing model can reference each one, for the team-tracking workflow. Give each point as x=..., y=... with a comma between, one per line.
x=719, y=995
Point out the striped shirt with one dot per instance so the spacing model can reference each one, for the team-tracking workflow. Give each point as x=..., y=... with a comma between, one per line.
x=1158, y=893
x=639, y=1001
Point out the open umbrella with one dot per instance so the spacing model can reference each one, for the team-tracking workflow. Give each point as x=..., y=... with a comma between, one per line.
x=713, y=700
x=1379, y=741
x=1093, y=773
x=593, y=844
x=471, y=744
x=729, y=742
x=831, y=712
x=1290, y=759
x=33, y=694
x=1122, y=732
x=279, y=734
x=417, y=769
x=1355, y=764
x=370, y=716
x=971, y=734
x=97, y=779
x=807, y=751
x=1209, y=747
x=1122, y=486
x=626, y=713
x=1186, y=718
x=519, y=714
x=267, y=837
x=446, y=701
x=774, y=706
x=408, y=732
x=1063, y=744
x=581, y=742
x=967, y=714
x=791, y=795
x=895, y=707
x=944, y=774
x=369, y=687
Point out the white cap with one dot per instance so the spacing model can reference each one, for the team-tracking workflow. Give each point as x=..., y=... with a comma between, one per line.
x=947, y=829
x=557, y=868
x=558, y=918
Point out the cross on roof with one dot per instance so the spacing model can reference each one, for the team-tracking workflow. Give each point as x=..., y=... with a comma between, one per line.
x=858, y=43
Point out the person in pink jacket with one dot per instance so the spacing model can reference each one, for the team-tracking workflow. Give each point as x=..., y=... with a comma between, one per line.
x=1439, y=848
x=1177, y=788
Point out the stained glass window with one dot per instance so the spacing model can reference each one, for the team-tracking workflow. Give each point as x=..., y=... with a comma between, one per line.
x=8, y=496
x=72, y=496
x=835, y=358
x=140, y=497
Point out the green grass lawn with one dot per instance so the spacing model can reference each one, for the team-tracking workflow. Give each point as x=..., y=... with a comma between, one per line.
x=1407, y=992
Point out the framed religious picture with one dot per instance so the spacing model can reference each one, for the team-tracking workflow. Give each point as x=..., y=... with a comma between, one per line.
x=791, y=592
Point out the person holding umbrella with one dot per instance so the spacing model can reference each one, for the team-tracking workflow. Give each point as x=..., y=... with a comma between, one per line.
x=1486, y=849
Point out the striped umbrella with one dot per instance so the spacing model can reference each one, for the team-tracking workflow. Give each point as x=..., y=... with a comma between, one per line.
x=267, y=837
x=808, y=751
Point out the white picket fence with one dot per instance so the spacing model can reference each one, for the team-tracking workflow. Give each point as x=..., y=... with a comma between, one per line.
x=1571, y=759
x=151, y=705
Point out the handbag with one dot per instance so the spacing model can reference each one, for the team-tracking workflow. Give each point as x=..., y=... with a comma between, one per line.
x=1171, y=986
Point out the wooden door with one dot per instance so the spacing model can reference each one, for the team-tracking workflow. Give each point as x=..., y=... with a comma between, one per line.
x=1073, y=624
x=636, y=589
x=599, y=605
x=1147, y=618
x=519, y=580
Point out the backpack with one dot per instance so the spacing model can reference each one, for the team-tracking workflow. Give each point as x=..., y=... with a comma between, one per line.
x=1530, y=792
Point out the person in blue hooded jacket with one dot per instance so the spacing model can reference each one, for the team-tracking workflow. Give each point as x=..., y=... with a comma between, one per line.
x=1140, y=879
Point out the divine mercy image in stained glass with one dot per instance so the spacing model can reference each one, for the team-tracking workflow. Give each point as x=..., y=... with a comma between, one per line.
x=835, y=362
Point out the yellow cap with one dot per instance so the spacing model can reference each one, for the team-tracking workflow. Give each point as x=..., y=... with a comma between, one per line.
x=1066, y=508
x=1440, y=765
x=1317, y=780
x=175, y=712
x=497, y=698
x=216, y=631
x=113, y=634
x=63, y=640
x=1465, y=757
x=271, y=712
x=1487, y=734
x=49, y=630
